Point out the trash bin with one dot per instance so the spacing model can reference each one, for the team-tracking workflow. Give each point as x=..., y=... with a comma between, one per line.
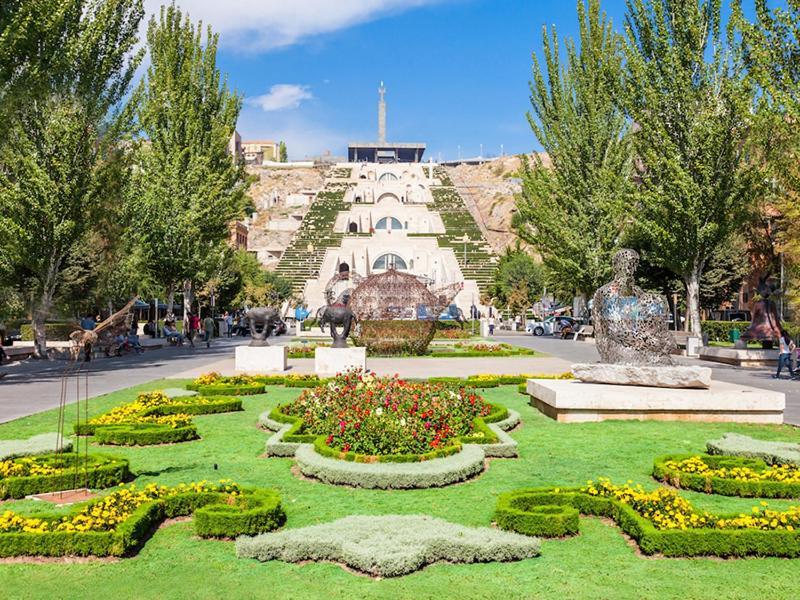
x=734, y=335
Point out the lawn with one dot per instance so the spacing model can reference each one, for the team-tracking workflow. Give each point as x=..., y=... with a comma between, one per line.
x=597, y=563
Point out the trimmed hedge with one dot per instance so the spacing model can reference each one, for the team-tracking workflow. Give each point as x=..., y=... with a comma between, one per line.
x=37, y=444
x=131, y=534
x=103, y=471
x=250, y=514
x=719, y=331
x=145, y=434
x=668, y=542
x=700, y=482
x=547, y=515
x=248, y=389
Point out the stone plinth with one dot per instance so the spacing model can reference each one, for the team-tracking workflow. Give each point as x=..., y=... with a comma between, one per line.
x=741, y=357
x=571, y=401
x=261, y=359
x=330, y=361
x=651, y=376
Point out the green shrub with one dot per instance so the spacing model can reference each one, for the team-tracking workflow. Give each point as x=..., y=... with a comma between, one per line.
x=146, y=434
x=97, y=471
x=324, y=450
x=270, y=379
x=546, y=515
x=56, y=331
x=247, y=514
x=228, y=389
x=390, y=338
x=773, y=453
x=37, y=444
x=724, y=486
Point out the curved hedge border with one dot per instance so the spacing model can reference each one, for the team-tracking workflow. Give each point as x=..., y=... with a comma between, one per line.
x=515, y=514
x=772, y=453
x=264, y=514
x=104, y=471
x=149, y=434
x=434, y=471
x=720, y=485
x=247, y=389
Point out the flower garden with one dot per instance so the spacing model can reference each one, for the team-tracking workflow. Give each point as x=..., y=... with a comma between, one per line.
x=525, y=526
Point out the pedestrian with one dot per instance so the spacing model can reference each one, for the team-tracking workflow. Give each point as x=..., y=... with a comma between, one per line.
x=194, y=327
x=229, y=323
x=785, y=356
x=491, y=325
x=223, y=325
x=208, y=330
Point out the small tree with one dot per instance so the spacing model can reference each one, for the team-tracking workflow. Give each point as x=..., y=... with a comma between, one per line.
x=63, y=145
x=283, y=153
x=572, y=213
x=686, y=91
x=186, y=190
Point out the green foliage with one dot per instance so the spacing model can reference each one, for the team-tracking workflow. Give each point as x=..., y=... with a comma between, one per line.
x=726, y=486
x=685, y=89
x=186, y=189
x=529, y=513
x=97, y=471
x=283, y=154
x=324, y=449
x=62, y=148
x=572, y=213
x=395, y=337
x=517, y=281
x=58, y=331
x=229, y=389
x=248, y=514
x=773, y=453
x=146, y=434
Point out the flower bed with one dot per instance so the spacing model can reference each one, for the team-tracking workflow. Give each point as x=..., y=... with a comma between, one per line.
x=361, y=414
x=661, y=521
x=119, y=523
x=154, y=418
x=483, y=381
x=729, y=475
x=22, y=477
x=467, y=350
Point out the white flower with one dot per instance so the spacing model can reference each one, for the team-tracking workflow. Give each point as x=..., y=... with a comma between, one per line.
x=379, y=411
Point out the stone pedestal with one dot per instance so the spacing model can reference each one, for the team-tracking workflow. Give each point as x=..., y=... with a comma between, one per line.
x=741, y=357
x=261, y=359
x=330, y=361
x=572, y=401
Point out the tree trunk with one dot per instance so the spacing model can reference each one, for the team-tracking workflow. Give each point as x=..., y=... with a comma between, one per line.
x=692, y=283
x=188, y=299
x=38, y=319
x=170, y=302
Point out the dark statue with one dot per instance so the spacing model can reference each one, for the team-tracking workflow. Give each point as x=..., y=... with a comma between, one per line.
x=339, y=315
x=765, y=326
x=631, y=324
x=261, y=321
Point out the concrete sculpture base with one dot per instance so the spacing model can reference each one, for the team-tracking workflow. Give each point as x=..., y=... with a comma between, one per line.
x=571, y=401
x=655, y=376
x=261, y=359
x=330, y=361
x=741, y=357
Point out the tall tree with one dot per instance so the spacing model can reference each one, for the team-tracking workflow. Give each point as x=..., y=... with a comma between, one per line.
x=63, y=146
x=572, y=213
x=772, y=55
x=283, y=154
x=187, y=189
x=686, y=91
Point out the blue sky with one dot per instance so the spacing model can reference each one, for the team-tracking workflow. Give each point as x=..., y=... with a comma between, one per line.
x=456, y=71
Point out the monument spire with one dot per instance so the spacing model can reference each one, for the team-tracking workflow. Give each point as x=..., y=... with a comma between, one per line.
x=381, y=114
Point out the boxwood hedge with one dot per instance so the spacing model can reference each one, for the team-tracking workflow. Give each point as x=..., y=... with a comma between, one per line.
x=101, y=471
x=701, y=482
x=260, y=514
x=668, y=542
x=143, y=434
x=226, y=389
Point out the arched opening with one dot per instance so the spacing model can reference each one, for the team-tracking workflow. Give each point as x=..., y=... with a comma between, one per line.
x=389, y=261
x=353, y=228
x=344, y=268
x=389, y=223
x=388, y=196
x=386, y=177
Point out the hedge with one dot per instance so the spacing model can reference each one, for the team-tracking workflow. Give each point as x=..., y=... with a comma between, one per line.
x=773, y=453
x=700, y=482
x=719, y=331
x=547, y=515
x=249, y=389
x=250, y=514
x=143, y=434
x=103, y=472
x=668, y=542
x=324, y=449
x=132, y=533
x=56, y=331
x=390, y=338
x=389, y=545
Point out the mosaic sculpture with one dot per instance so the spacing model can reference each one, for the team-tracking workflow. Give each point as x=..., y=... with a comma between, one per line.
x=631, y=324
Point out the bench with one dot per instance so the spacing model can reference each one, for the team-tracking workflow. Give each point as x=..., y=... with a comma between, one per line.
x=585, y=331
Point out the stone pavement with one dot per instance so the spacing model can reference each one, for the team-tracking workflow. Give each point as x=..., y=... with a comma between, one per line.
x=574, y=352
x=34, y=386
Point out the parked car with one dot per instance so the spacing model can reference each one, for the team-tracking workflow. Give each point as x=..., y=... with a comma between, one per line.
x=551, y=325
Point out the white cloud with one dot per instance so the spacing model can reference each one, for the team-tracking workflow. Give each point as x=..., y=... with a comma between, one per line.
x=260, y=25
x=282, y=96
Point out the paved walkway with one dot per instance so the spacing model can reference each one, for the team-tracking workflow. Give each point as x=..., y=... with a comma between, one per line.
x=760, y=377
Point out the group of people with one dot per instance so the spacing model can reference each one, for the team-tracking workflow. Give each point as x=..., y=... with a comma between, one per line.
x=195, y=327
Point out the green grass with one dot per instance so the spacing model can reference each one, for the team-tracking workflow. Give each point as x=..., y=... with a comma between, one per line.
x=598, y=563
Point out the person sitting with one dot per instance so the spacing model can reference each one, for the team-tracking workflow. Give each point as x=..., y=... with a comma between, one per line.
x=150, y=328
x=172, y=334
x=134, y=343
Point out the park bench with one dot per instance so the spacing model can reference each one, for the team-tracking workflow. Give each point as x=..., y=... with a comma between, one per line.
x=585, y=331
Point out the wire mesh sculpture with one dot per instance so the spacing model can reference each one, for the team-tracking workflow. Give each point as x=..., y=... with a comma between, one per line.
x=394, y=295
x=631, y=324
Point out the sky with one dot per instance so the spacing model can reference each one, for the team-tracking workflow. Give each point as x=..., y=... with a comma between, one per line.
x=456, y=71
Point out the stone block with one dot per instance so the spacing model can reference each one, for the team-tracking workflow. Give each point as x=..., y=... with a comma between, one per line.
x=260, y=359
x=330, y=361
x=741, y=357
x=651, y=376
x=572, y=401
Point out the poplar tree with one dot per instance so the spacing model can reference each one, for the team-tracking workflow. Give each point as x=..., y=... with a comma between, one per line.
x=572, y=214
x=187, y=188
x=685, y=89
x=61, y=147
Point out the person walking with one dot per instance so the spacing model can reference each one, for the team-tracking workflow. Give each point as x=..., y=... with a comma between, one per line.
x=229, y=323
x=785, y=357
x=491, y=325
x=223, y=325
x=194, y=327
x=208, y=330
